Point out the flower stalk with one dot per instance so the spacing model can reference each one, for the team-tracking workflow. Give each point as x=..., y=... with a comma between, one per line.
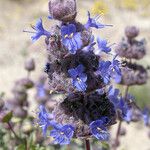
x=87, y=144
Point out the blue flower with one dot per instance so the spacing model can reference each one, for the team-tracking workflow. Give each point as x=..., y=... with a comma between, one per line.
x=93, y=22
x=40, y=90
x=108, y=70
x=71, y=39
x=50, y=17
x=130, y=98
x=99, y=130
x=79, y=78
x=128, y=116
x=113, y=95
x=123, y=107
x=115, y=71
x=103, y=45
x=146, y=116
x=62, y=134
x=39, y=31
x=104, y=71
x=44, y=119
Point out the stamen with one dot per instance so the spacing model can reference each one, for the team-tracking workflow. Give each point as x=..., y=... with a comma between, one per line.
x=28, y=31
x=66, y=36
x=71, y=35
x=51, y=91
x=33, y=27
x=113, y=69
x=98, y=128
x=79, y=80
x=62, y=133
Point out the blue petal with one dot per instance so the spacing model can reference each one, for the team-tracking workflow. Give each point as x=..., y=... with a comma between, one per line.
x=70, y=45
x=68, y=130
x=39, y=25
x=73, y=73
x=36, y=36
x=146, y=116
x=78, y=40
x=102, y=135
x=92, y=22
x=62, y=134
x=81, y=86
x=71, y=28
x=50, y=17
x=64, y=31
x=83, y=77
x=80, y=69
x=98, y=130
x=102, y=45
x=128, y=116
x=118, y=78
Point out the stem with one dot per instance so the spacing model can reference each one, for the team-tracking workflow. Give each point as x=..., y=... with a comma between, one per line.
x=120, y=122
x=68, y=147
x=126, y=93
x=17, y=137
x=28, y=74
x=117, y=135
x=87, y=144
x=26, y=144
x=12, y=130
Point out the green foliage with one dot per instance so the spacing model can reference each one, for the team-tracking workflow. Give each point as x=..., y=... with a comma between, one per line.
x=7, y=117
x=32, y=147
x=105, y=146
x=2, y=142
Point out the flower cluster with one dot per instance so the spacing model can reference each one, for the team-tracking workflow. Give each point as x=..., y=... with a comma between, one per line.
x=19, y=102
x=132, y=73
x=77, y=69
x=61, y=133
x=130, y=48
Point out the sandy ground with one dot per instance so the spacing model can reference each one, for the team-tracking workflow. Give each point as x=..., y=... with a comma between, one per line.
x=15, y=47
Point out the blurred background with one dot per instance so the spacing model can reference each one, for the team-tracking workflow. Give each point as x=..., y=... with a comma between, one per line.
x=16, y=46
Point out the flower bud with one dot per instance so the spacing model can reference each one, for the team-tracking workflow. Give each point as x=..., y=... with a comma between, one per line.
x=20, y=113
x=18, y=88
x=12, y=103
x=30, y=65
x=136, y=50
x=131, y=32
x=27, y=127
x=63, y=10
x=26, y=82
x=134, y=74
x=21, y=97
